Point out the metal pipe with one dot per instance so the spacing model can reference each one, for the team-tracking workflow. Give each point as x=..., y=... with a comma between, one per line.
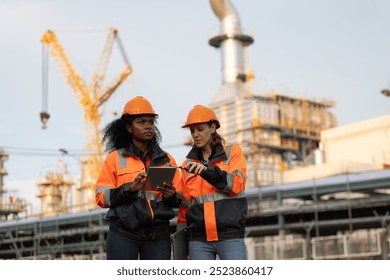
x=231, y=40
x=227, y=14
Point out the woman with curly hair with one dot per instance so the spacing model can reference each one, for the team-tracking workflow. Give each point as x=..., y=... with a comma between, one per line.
x=138, y=218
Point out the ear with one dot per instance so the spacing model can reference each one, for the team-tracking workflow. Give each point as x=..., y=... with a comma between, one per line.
x=129, y=128
x=213, y=127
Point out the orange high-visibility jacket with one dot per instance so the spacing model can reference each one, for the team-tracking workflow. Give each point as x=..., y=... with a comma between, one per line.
x=215, y=207
x=139, y=213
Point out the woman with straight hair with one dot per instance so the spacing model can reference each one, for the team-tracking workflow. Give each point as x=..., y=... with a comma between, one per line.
x=215, y=208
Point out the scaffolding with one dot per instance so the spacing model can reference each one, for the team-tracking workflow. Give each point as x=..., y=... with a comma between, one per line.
x=276, y=132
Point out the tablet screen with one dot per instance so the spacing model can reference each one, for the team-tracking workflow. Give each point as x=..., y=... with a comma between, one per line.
x=156, y=176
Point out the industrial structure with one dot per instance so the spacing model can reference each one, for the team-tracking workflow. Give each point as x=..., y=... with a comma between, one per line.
x=336, y=208
x=274, y=130
x=312, y=192
x=338, y=217
x=54, y=191
x=9, y=205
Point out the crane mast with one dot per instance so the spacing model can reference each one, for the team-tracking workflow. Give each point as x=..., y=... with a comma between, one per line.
x=91, y=97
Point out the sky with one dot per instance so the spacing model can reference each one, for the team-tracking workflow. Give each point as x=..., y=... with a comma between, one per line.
x=322, y=50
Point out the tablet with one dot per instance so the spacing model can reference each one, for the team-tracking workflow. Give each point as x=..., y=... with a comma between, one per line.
x=157, y=175
x=179, y=244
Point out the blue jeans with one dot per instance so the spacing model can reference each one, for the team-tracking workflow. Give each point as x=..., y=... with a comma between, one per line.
x=232, y=249
x=121, y=247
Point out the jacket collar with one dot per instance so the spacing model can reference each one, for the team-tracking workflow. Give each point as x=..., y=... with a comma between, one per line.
x=158, y=155
x=217, y=154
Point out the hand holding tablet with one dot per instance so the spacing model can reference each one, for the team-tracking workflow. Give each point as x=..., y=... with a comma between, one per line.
x=159, y=176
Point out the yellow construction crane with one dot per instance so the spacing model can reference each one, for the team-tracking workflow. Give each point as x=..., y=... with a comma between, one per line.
x=91, y=96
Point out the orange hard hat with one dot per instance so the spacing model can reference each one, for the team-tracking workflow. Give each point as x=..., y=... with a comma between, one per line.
x=138, y=106
x=201, y=114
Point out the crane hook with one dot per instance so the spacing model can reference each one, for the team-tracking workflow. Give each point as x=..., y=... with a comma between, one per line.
x=44, y=118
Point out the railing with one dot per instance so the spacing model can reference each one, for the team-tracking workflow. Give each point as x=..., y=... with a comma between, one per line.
x=348, y=246
x=360, y=244
x=293, y=249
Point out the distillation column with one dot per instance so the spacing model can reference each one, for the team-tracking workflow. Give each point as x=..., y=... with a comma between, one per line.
x=54, y=192
x=3, y=172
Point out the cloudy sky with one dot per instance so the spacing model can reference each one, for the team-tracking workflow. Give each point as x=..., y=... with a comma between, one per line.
x=333, y=50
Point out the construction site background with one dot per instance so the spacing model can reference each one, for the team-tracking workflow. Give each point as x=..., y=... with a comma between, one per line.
x=315, y=190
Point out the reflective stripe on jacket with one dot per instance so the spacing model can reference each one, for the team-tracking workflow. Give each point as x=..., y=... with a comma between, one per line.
x=216, y=207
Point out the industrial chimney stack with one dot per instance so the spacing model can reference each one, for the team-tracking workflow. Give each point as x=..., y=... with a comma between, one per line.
x=232, y=42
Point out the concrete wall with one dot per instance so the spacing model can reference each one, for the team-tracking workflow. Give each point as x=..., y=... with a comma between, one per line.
x=365, y=142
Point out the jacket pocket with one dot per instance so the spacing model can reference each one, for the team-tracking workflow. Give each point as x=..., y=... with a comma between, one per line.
x=126, y=175
x=134, y=215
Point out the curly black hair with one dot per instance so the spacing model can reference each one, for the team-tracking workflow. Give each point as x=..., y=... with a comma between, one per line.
x=116, y=136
